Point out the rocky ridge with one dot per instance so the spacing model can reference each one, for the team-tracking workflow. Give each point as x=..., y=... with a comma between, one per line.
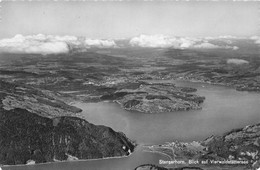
x=239, y=148
x=37, y=127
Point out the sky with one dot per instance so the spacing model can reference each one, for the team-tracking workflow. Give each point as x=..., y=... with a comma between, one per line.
x=111, y=20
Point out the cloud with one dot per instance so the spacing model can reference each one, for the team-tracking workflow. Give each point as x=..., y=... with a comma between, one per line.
x=206, y=45
x=235, y=47
x=48, y=48
x=152, y=41
x=36, y=44
x=237, y=61
x=256, y=39
x=187, y=42
x=71, y=40
x=100, y=43
x=161, y=41
x=49, y=44
x=228, y=37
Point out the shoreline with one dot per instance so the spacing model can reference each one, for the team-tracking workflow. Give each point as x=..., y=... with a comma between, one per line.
x=64, y=161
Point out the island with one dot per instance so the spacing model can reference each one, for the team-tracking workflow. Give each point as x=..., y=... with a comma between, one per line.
x=156, y=98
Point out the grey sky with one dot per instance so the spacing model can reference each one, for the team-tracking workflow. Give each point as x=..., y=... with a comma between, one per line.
x=127, y=19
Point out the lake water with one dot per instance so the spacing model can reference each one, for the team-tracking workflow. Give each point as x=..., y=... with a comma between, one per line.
x=224, y=109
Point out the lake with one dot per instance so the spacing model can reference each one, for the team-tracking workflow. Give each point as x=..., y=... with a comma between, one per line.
x=224, y=109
